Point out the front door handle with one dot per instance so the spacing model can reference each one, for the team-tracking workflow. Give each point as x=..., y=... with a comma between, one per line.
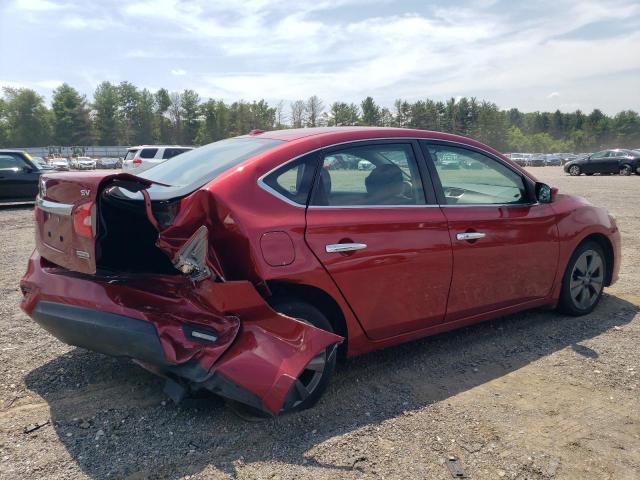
x=344, y=247
x=470, y=235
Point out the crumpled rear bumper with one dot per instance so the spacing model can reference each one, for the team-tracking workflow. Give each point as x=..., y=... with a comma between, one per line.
x=241, y=348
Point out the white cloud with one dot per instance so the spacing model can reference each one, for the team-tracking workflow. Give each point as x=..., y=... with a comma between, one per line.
x=37, y=5
x=348, y=49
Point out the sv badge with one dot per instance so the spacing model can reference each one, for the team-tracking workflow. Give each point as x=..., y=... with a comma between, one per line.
x=85, y=193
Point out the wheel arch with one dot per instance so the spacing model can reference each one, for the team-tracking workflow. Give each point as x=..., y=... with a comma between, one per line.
x=607, y=248
x=319, y=299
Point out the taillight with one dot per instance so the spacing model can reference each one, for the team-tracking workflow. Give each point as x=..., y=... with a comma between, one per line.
x=83, y=221
x=137, y=161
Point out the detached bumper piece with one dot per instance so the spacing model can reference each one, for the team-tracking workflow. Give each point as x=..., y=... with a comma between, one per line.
x=222, y=337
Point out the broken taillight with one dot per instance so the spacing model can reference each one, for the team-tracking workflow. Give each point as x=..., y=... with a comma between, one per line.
x=83, y=220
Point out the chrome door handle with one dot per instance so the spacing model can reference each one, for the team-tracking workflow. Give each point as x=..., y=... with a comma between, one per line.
x=344, y=247
x=470, y=235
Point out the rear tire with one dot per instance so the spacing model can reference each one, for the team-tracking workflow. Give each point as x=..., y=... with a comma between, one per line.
x=312, y=382
x=574, y=170
x=583, y=281
x=626, y=170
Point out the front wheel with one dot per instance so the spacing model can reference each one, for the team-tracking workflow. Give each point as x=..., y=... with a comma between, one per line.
x=583, y=281
x=314, y=379
x=625, y=170
x=574, y=170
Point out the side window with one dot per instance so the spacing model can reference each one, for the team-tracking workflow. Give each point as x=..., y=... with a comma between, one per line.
x=10, y=161
x=471, y=178
x=293, y=180
x=148, y=152
x=172, y=152
x=598, y=155
x=380, y=174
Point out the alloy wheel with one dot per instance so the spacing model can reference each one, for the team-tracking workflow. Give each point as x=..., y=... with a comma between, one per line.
x=574, y=170
x=625, y=170
x=587, y=279
x=310, y=378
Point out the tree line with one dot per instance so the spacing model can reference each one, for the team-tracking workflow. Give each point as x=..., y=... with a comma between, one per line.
x=123, y=114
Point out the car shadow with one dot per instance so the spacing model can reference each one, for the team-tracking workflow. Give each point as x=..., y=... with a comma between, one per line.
x=112, y=418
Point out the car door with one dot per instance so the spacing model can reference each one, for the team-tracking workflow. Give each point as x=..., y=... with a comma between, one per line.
x=505, y=246
x=598, y=163
x=18, y=178
x=381, y=237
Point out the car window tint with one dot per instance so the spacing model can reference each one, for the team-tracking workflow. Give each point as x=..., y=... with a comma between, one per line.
x=381, y=174
x=469, y=178
x=599, y=155
x=10, y=161
x=172, y=152
x=148, y=152
x=293, y=180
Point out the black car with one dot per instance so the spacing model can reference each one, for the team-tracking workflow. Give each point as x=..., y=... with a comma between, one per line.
x=552, y=160
x=19, y=177
x=624, y=162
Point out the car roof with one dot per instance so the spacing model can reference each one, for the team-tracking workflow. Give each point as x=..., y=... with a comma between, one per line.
x=9, y=150
x=329, y=135
x=138, y=147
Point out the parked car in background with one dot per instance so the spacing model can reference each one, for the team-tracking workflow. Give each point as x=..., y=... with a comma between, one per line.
x=143, y=157
x=85, y=163
x=552, y=160
x=60, y=164
x=537, y=160
x=250, y=284
x=108, y=162
x=19, y=176
x=519, y=158
x=41, y=163
x=566, y=157
x=624, y=162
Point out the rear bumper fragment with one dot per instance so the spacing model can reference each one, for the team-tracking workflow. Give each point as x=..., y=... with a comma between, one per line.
x=245, y=350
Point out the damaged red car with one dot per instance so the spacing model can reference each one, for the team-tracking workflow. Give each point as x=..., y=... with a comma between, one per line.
x=247, y=266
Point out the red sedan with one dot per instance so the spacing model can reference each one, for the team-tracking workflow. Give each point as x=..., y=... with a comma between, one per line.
x=247, y=266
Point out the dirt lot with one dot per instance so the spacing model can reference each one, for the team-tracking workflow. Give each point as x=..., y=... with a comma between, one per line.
x=534, y=395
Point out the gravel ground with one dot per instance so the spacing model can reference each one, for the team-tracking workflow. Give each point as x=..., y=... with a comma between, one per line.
x=534, y=395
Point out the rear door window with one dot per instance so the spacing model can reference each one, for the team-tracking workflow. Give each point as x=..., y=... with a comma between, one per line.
x=148, y=152
x=371, y=175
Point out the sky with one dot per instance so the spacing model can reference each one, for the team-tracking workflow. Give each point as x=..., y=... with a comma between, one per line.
x=533, y=55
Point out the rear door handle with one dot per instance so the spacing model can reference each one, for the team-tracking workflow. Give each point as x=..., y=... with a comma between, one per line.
x=470, y=235
x=344, y=247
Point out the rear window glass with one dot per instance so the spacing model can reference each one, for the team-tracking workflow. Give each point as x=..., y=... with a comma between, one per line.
x=130, y=154
x=148, y=152
x=199, y=166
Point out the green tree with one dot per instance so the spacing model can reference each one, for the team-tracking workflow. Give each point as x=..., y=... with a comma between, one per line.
x=343, y=114
x=128, y=109
x=26, y=118
x=370, y=112
x=105, y=105
x=190, y=113
x=162, y=128
x=72, y=122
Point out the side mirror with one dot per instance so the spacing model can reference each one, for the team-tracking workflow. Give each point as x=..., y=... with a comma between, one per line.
x=27, y=169
x=545, y=193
